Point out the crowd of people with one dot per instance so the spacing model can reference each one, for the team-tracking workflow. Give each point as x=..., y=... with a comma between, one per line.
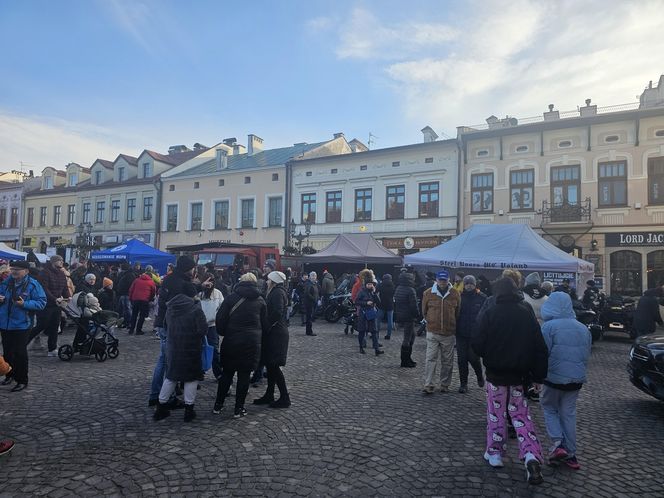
x=519, y=335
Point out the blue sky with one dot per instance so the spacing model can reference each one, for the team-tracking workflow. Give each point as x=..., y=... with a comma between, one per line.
x=82, y=79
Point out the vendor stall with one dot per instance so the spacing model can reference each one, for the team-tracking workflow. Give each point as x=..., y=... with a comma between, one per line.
x=134, y=251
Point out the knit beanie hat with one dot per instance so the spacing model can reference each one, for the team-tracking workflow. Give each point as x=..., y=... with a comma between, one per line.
x=185, y=263
x=533, y=279
x=107, y=282
x=469, y=279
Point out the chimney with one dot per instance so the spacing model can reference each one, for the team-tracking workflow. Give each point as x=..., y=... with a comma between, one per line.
x=492, y=121
x=230, y=141
x=588, y=110
x=238, y=149
x=31, y=174
x=254, y=144
x=199, y=146
x=429, y=134
x=221, y=159
x=551, y=115
x=338, y=135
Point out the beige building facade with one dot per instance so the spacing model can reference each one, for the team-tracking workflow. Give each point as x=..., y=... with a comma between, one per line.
x=591, y=184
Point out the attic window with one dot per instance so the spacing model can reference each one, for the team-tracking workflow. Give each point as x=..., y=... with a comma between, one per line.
x=659, y=133
x=612, y=138
x=428, y=160
x=333, y=171
x=171, y=188
x=247, y=179
x=197, y=184
x=396, y=164
x=363, y=167
x=275, y=177
x=564, y=144
x=482, y=153
x=309, y=173
x=221, y=182
x=522, y=148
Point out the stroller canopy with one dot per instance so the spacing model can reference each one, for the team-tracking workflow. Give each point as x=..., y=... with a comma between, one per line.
x=134, y=251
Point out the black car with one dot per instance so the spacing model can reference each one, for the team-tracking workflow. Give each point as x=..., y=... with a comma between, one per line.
x=646, y=364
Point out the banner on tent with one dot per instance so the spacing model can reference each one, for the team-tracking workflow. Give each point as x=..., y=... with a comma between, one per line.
x=489, y=265
x=556, y=277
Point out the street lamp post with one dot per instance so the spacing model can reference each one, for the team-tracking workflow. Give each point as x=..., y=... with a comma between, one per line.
x=84, y=239
x=300, y=237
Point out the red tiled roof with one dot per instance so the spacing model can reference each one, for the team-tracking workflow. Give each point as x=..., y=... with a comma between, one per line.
x=130, y=159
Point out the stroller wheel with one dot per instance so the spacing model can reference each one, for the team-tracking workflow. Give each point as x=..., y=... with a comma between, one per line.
x=113, y=352
x=101, y=356
x=66, y=352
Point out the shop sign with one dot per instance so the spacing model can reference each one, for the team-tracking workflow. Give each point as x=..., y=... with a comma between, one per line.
x=556, y=277
x=632, y=239
x=415, y=242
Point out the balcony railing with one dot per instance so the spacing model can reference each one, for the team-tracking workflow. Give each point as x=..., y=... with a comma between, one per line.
x=566, y=212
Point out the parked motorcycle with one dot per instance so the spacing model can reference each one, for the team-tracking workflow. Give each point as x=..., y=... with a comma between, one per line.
x=590, y=319
x=337, y=307
x=618, y=315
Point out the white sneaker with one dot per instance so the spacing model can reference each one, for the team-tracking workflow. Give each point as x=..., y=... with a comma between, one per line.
x=495, y=461
x=52, y=354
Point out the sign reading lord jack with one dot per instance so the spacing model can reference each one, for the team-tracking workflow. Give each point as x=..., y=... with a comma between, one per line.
x=634, y=239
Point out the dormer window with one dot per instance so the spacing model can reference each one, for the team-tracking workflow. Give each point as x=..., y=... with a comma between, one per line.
x=73, y=179
x=147, y=170
x=97, y=177
x=121, y=174
x=48, y=182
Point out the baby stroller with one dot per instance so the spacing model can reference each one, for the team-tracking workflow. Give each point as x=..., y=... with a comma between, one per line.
x=94, y=329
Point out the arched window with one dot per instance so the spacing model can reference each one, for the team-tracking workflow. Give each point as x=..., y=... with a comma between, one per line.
x=626, y=278
x=655, y=268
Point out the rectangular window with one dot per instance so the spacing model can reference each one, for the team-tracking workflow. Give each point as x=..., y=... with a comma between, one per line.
x=171, y=217
x=363, y=204
x=71, y=214
x=247, y=213
x=86, y=212
x=333, y=207
x=147, y=208
x=221, y=215
x=612, y=183
x=428, y=160
x=428, y=200
x=196, y=216
x=57, y=213
x=656, y=180
x=221, y=182
x=308, y=213
x=97, y=177
x=121, y=174
x=481, y=193
x=3, y=218
x=42, y=216
x=147, y=170
x=247, y=179
x=274, y=212
x=522, y=185
x=197, y=184
x=275, y=177
x=48, y=182
x=565, y=185
x=395, y=201
x=101, y=208
x=131, y=209
x=13, y=218
x=115, y=211
x=31, y=218
x=396, y=164
x=73, y=179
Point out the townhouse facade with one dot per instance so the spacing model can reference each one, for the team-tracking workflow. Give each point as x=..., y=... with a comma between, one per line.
x=11, y=207
x=406, y=197
x=233, y=194
x=592, y=184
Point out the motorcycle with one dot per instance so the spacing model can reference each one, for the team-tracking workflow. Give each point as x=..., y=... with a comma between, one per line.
x=589, y=319
x=337, y=307
x=617, y=315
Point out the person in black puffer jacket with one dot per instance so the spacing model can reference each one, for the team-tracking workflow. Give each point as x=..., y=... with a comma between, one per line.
x=385, y=291
x=406, y=313
x=366, y=302
x=274, y=347
x=510, y=342
x=241, y=321
x=471, y=303
x=647, y=315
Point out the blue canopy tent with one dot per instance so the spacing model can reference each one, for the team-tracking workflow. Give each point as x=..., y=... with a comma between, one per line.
x=134, y=251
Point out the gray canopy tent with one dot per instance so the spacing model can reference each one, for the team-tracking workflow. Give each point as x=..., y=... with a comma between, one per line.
x=355, y=248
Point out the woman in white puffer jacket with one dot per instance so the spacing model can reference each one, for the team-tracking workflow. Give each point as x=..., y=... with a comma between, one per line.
x=211, y=300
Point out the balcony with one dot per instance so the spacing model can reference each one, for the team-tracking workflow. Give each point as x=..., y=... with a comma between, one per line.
x=566, y=212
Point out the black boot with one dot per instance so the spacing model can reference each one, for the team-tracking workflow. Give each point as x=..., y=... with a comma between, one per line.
x=404, y=359
x=282, y=402
x=189, y=413
x=411, y=363
x=362, y=351
x=266, y=399
x=161, y=412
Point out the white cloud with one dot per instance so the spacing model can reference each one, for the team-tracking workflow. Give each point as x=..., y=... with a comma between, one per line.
x=318, y=24
x=513, y=57
x=40, y=142
x=134, y=18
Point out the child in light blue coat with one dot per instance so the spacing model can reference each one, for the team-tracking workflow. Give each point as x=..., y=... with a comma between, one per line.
x=568, y=342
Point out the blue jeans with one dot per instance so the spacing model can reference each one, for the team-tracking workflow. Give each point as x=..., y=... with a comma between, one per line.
x=370, y=328
x=559, y=408
x=124, y=309
x=390, y=320
x=213, y=340
x=160, y=367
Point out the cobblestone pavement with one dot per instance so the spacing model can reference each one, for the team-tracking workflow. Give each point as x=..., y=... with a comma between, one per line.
x=359, y=426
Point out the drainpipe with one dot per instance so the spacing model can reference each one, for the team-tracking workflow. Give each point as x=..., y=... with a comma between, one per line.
x=460, y=181
x=157, y=214
x=287, y=192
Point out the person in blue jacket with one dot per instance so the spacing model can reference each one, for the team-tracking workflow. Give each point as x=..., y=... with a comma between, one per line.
x=568, y=342
x=20, y=297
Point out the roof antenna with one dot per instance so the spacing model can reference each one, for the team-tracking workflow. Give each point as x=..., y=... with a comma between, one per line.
x=371, y=140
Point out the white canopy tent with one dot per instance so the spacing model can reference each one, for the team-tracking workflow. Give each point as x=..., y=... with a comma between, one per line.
x=497, y=247
x=8, y=253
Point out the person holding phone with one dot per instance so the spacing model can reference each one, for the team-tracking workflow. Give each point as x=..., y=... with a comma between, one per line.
x=20, y=297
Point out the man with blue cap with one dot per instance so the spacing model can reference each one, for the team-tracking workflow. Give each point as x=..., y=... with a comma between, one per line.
x=440, y=308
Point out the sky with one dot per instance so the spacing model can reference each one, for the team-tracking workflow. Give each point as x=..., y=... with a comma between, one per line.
x=88, y=79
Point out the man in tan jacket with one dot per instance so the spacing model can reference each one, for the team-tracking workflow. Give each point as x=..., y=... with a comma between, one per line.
x=440, y=308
